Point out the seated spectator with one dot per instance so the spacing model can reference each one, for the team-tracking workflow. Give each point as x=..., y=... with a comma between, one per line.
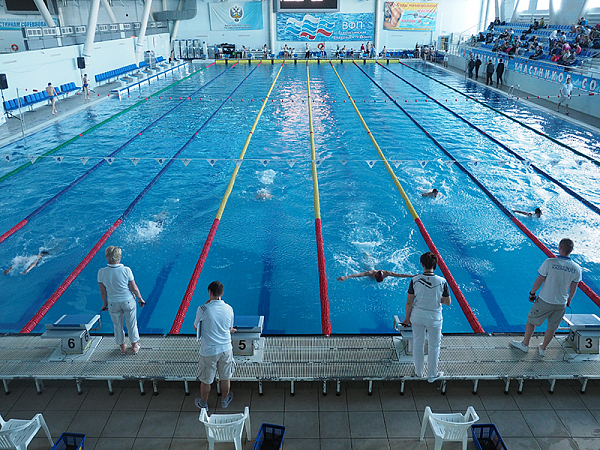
x=577, y=49
x=583, y=21
x=535, y=25
x=539, y=52
x=497, y=21
x=553, y=37
x=542, y=23
x=491, y=26
x=563, y=37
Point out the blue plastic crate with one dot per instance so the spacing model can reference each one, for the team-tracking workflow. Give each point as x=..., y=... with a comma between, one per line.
x=70, y=441
x=270, y=437
x=486, y=437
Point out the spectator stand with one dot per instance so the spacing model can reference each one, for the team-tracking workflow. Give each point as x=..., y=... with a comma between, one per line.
x=161, y=69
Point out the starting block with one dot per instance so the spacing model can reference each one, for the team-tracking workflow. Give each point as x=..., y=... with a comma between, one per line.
x=584, y=332
x=404, y=344
x=247, y=340
x=74, y=333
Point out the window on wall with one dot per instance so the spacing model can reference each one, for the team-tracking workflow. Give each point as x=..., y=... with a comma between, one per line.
x=523, y=6
x=543, y=5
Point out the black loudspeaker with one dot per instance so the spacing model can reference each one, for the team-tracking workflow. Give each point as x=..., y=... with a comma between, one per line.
x=3, y=81
x=80, y=62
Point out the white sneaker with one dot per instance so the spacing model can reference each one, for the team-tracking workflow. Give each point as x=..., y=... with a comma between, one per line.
x=200, y=404
x=519, y=344
x=227, y=400
x=432, y=379
x=541, y=350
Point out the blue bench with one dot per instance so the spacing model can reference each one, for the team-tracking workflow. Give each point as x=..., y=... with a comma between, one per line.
x=115, y=73
x=67, y=88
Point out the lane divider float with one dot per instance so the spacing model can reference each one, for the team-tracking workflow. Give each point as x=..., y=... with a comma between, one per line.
x=187, y=298
x=37, y=317
x=583, y=286
x=83, y=176
x=83, y=133
x=546, y=175
x=324, y=295
x=475, y=325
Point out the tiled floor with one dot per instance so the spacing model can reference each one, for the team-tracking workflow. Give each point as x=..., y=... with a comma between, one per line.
x=535, y=420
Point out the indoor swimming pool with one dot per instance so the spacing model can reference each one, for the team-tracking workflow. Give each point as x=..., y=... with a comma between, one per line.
x=265, y=248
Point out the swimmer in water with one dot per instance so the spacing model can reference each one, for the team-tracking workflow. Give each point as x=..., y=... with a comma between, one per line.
x=159, y=219
x=433, y=193
x=378, y=275
x=537, y=213
x=263, y=194
x=38, y=258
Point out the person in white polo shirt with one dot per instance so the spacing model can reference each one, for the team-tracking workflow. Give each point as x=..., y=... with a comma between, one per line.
x=558, y=278
x=119, y=292
x=427, y=293
x=214, y=323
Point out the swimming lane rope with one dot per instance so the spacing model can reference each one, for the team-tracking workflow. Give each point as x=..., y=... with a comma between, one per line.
x=83, y=133
x=187, y=298
x=529, y=127
x=325, y=315
x=82, y=177
x=63, y=287
x=468, y=312
x=505, y=147
x=584, y=287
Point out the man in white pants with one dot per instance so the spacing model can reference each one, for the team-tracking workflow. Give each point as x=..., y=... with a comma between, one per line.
x=565, y=95
x=558, y=277
x=427, y=293
x=214, y=322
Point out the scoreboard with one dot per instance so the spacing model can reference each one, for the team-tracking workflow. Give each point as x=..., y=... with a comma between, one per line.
x=293, y=6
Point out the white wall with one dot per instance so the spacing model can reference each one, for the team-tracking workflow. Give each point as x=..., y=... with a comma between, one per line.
x=35, y=69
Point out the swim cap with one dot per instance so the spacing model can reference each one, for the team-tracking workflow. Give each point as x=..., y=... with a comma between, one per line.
x=379, y=276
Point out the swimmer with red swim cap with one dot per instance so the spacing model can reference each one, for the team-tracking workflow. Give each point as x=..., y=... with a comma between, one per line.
x=378, y=275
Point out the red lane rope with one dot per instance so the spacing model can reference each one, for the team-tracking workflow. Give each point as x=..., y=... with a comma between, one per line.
x=460, y=298
x=189, y=292
x=584, y=287
x=325, y=316
x=29, y=326
x=13, y=230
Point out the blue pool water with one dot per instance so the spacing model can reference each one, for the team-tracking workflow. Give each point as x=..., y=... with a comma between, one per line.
x=264, y=250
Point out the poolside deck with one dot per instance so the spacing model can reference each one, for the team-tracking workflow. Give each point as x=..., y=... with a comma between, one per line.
x=353, y=419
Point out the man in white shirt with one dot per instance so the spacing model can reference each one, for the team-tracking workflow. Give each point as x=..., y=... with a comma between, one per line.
x=558, y=277
x=214, y=323
x=565, y=95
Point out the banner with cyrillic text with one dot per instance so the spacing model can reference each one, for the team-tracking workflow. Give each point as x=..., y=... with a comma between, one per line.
x=236, y=16
x=326, y=27
x=409, y=16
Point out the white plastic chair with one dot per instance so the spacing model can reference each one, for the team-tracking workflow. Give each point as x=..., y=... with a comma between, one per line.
x=17, y=433
x=449, y=427
x=226, y=427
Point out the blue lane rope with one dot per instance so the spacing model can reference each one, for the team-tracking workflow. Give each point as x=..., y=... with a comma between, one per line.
x=586, y=202
x=590, y=293
x=101, y=163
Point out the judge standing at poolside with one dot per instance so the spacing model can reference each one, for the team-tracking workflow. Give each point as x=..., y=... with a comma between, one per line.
x=119, y=292
x=427, y=293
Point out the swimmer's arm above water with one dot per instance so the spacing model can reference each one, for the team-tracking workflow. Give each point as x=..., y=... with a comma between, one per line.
x=525, y=213
x=368, y=273
x=387, y=273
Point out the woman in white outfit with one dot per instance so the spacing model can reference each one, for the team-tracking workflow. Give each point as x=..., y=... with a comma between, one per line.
x=427, y=293
x=119, y=293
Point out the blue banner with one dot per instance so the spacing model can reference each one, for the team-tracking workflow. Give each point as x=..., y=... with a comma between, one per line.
x=537, y=69
x=326, y=27
x=18, y=24
x=236, y=16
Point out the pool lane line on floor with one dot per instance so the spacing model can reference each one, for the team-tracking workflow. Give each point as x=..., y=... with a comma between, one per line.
x=325, y=314
x=33, y=322
x=189, y=292
x=83, y=133
x=583, y=286
x=529, y=127
x=545, y=174
x=103, y=161
x=468, y=312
